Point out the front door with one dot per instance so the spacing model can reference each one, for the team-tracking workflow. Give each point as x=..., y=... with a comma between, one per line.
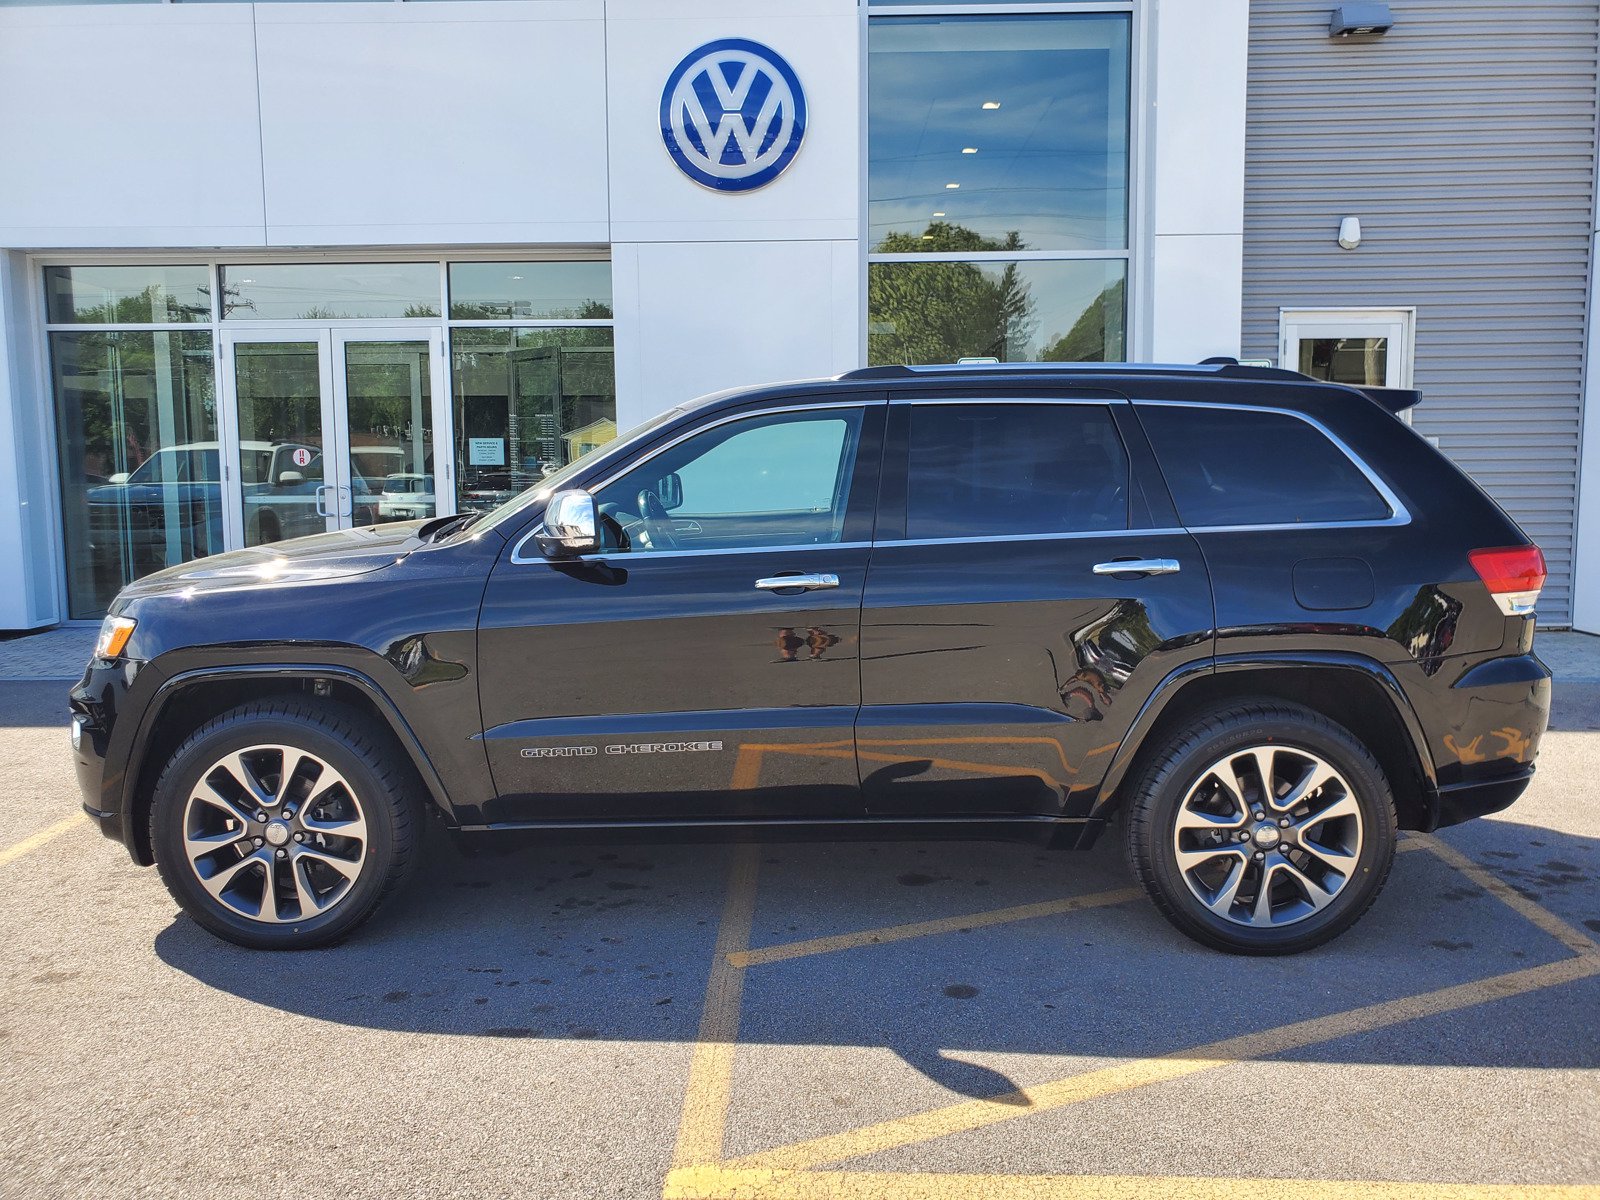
x=679, y=674
x=328, y=428
x=1029, y=587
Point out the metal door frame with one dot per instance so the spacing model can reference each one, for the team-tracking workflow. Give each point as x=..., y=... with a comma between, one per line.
x=333, y=381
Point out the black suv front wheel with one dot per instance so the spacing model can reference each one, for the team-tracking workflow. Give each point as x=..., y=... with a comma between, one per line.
x=1262, y=828
x=283, y=824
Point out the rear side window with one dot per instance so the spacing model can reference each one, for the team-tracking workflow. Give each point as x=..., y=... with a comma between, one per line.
x=993, y=470
x=1240, y=467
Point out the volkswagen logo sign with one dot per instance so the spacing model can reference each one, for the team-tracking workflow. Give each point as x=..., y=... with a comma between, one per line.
x=733, y=115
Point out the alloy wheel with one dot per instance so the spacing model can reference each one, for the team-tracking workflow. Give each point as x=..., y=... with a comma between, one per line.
x=275, y=834
x=1267, y=836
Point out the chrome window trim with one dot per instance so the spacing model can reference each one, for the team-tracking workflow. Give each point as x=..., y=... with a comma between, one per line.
x=634, y=555
x=1399, y=514
x=1006, y=539
x=519, y=559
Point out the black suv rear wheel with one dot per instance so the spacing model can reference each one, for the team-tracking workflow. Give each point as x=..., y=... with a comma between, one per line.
x=281, y=825
x=1262, y=828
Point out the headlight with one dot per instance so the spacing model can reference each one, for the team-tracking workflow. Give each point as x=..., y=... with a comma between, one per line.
x=114, y=635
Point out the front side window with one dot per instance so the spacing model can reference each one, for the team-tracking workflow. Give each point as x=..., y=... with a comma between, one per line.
x=1239, y=467
x=998, y=470
x=776, y=480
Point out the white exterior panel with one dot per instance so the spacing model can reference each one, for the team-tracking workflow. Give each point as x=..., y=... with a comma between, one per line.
x=129, y=125
x=695, y=317
x=445, y=124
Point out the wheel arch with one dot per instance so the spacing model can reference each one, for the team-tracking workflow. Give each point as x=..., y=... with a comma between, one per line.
x=188, y=700
x=1359, y=693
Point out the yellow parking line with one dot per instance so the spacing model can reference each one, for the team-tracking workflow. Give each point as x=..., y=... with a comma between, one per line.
x=1508, y=895
x=899, y=933
x=976, y=1114
x=721, y=1183
x=706, y=1097
x=11, y=853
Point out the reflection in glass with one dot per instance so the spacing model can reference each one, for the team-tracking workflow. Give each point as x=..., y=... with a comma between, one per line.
x=330, y=291
x=1361, y=361
x=391, y=431
x=932, y=312
x=527, y=402
x=1009, y=126
x=279, y=386
x=550, y=291
x=127, y=295
x=137, y=438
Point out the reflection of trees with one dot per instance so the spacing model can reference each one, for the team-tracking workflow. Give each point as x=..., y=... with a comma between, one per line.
x=1097, y=335
x=923, y=312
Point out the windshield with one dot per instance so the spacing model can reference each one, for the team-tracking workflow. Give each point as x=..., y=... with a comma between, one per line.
x=557, y=479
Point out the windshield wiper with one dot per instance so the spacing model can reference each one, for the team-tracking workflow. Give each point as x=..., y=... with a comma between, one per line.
x=445, y=526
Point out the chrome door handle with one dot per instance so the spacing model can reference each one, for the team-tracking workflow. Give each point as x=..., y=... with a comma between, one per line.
x=1138, y=566
x=809, y=583
x=322, y=500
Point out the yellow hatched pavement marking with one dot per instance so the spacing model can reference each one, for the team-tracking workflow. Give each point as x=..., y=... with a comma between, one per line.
x=899, y=933
x=788, y=1173
x=705, y=1101
x=725, y=1183
x=977, y=1114
x=11, y=853
x=1509, y=896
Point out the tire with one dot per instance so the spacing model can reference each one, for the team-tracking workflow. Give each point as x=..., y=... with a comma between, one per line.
x=332, y=846
x=1325, y=858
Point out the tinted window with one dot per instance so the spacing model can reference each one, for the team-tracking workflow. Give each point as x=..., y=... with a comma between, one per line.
x=979, y=470
x=779, y=480
x=1234, y=467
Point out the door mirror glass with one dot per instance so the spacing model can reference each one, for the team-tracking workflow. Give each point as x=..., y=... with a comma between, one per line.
x=670, y=489
x=569, y=525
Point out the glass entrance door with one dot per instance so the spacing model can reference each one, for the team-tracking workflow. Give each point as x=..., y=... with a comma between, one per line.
x=331, y=428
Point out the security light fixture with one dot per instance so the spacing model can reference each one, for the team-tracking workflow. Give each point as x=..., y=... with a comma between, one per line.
x=1352, y=20
x=1350, y=233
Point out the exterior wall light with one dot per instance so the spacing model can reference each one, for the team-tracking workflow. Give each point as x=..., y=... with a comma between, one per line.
x=1351, y=20
x=1350, y=233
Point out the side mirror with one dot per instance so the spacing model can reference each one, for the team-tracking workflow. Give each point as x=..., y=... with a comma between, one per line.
x=290, y=478
x=569, y=525
x=670, y=490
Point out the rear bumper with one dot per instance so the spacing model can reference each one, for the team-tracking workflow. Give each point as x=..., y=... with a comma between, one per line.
x=1464, y=801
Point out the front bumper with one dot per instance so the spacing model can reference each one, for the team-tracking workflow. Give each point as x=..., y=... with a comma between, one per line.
x=95, y=703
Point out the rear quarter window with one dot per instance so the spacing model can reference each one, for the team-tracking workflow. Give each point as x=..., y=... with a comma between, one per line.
x=1246, y=467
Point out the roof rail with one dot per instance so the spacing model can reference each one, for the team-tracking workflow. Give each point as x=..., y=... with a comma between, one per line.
x=1214, y=368
x=1395, y=400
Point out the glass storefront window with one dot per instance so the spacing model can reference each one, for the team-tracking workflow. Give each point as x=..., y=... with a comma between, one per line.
x=127, y=295
x=329, y=291
x=137, y=434
x=553, y=291
x=1013, y=129
x=527, y=402
x=936, y=312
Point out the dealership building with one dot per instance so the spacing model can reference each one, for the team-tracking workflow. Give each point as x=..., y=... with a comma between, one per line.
x=280, y=267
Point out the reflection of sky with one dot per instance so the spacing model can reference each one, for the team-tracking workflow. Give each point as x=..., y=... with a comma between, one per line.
x=288, y=291
x=525, y=290
x=1060, y=293
x=1051, y=161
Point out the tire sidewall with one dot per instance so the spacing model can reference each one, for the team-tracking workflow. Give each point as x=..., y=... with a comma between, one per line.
x=1181, y=771
x=237, y=732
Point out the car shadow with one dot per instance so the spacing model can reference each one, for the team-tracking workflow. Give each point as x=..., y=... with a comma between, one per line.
x=615, y=942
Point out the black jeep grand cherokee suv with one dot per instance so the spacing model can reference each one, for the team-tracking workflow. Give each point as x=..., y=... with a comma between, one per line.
x=1254, y=616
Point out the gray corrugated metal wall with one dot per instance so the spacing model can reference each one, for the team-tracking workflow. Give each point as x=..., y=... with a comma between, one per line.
x=1464, y=139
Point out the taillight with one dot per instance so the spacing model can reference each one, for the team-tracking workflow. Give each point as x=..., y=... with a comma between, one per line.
x=1513, y=575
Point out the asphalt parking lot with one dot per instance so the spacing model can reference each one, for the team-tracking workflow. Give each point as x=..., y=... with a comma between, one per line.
x=865, y=1020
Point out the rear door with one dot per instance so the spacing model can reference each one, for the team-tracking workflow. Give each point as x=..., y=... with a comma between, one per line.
x=1004, y=653
x=705, y=666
